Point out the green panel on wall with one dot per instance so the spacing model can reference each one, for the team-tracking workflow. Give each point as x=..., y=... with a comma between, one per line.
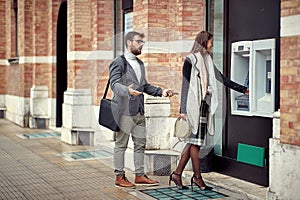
x=251, y=154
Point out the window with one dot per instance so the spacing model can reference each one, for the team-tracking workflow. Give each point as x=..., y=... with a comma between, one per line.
x=14, y=33
x=15, y=6
x=215, y=25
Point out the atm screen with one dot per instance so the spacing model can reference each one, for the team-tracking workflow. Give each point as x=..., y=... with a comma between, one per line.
x=268, y=76
x=240, y=48
x=246, y=83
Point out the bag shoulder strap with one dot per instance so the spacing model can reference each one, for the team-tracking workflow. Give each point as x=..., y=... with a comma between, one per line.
x=107, y=85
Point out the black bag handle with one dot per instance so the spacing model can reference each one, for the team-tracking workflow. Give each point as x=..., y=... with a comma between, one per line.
x=107, y=85
x=106, y=89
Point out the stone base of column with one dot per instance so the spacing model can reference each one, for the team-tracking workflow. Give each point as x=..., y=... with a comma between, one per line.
x=2, y=106
x=77, y=136
x=39, y=115
x=76, y=128
x=161, y=162
x=2, y=113
x=157, y=112
x=39, y=122
x=17, y=110
x=283, y=166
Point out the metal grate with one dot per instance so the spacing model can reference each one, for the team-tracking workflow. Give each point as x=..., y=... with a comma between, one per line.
x=86, y=155
x=173, y=193
x=40, y=135
x=162, y=165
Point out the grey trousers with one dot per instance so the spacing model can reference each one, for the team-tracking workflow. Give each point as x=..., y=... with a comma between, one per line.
x=134, y=125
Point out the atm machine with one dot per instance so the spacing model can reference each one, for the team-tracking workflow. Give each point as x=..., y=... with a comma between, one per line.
x=253, y=64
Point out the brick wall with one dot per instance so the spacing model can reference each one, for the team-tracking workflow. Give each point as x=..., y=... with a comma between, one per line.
x=290, y=74
x=37, y=22
x=168, y=21
x=2, y=49
x=105, y=32
x=90, y=29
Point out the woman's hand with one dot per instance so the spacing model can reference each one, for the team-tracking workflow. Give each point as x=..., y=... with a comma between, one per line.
x=183, y=116
x=247, y=92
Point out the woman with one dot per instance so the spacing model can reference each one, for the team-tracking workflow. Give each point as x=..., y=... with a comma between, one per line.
x=199, y=102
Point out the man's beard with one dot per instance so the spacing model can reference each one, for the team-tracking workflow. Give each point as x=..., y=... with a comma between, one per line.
x=135, y=51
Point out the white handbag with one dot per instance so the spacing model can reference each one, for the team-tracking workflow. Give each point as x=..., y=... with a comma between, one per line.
x=182, y=128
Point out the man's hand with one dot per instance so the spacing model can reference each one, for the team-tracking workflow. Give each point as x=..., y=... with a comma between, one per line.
x=133, y=92
x=167, y=93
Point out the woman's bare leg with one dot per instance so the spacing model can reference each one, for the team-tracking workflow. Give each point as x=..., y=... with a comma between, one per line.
x=197, y=178
x=185, y=156
x=195, y=156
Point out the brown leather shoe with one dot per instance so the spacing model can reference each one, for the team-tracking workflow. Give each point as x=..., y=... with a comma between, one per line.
x=122, y=181
x=144, y=180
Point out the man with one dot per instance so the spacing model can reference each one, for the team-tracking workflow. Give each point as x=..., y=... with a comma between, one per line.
x=128, y=82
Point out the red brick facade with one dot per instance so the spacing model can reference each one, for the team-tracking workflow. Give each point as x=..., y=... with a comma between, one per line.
x=90, y=25
x=35, y=38
x=289, y=79
x=290, y=7
x=168, y=21
x=3, y=48
x=91, y=28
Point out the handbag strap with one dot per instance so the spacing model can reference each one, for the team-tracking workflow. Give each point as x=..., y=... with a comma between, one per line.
x=107, y=85
x=106, y=89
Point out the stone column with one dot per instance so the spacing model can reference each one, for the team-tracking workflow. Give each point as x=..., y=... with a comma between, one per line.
x=284, y=167
x=39, y=115
x=2, y=106
x=157, y=112
x=76, y=129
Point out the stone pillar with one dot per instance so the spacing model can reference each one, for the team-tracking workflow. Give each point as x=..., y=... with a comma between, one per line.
x=76, y=129
x=273, y=158
x=284, y=169
x=2, y=106
x=39, y=115
x=157, y=112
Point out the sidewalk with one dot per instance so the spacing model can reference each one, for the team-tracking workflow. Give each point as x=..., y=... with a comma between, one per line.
x=37, y=169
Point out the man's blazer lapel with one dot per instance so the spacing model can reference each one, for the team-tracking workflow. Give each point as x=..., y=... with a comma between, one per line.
x=132, y=72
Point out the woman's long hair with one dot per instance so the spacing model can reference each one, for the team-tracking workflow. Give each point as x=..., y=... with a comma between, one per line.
x=200, y=43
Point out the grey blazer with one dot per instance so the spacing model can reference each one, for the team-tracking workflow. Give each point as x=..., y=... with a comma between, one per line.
x=121, y=75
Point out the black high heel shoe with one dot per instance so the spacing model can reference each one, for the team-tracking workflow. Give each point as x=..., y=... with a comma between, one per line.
x=205, y=187
x=180, y=187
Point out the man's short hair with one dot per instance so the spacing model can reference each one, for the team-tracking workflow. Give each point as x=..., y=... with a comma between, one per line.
x=130, y=35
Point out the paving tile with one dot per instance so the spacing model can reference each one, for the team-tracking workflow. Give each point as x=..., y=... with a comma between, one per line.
x=5, y=182
x=31, y=169
x=38, y=188
x=14, y=195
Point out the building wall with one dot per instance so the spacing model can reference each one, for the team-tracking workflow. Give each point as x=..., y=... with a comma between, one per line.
x=3, y=52
x=290, y=71
x=285, y=144
x=170, y=28
x=28, y=86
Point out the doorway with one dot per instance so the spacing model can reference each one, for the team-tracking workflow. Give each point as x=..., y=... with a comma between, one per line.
x=61, y=61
